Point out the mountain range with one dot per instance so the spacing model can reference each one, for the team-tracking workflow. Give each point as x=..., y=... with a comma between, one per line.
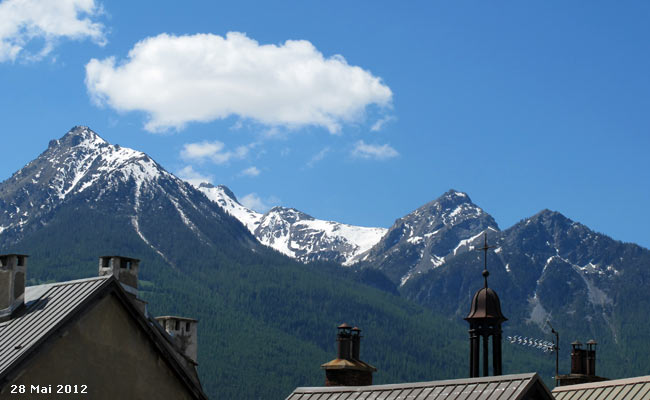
x=270, y=286
x=549, y=266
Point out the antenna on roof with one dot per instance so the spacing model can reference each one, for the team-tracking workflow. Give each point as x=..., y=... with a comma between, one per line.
x=538, y=344
x=557, y=347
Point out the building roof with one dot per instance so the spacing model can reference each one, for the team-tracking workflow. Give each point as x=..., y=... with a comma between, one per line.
x=620, y=389
x=504, y=387
x=49, y=307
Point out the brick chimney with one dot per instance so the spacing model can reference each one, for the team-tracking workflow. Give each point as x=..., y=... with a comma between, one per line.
x=183, y=332
x=13, y=268
x=125, y=270
x=347, y=369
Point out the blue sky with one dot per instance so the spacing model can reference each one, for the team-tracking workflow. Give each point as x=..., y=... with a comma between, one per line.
x=357, y=112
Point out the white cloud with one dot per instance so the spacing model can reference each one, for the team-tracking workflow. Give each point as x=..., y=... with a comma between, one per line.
x=251, y=171
x=318, y=157
x=254, y=202
x=380, y=123
x=213, y=151
x=204, y=77
x=372, y=151
x=188, y=174
x=25, y=21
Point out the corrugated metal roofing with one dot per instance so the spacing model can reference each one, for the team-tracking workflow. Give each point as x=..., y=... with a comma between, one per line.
x=45, y=307
x=505, y=387
x=620, y=389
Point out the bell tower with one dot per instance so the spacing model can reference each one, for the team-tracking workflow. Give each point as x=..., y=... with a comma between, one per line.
x=485, y=319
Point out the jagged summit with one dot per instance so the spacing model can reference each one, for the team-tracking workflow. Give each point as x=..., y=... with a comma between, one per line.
x=547, y=214
x=78, y=135
x=428, y=236
x=455, y=194
x=222, y=188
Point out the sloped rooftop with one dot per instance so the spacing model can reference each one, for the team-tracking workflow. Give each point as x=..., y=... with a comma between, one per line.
x=505, y=387
x=637, y=388
x=46, y=308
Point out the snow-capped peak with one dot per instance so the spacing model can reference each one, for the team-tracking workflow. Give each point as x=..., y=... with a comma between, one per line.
x=296, y=234
x=226, y=199
x=83, y=166
x=77, y=160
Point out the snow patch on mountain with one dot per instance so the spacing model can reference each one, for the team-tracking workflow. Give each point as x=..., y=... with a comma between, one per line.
x=296, y=234
x=88, y=157
x=229, y=203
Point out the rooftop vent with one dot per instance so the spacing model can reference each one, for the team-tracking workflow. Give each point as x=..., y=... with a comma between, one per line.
x=13, y=268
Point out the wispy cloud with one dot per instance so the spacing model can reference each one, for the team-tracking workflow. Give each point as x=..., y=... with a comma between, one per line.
x=318, y=157
x=213, y=151
x=373, y=151
x=188, y=174
x=255, y=202
x=204, y=77
x=381, y=122
x=251, y=171
x=23, y=22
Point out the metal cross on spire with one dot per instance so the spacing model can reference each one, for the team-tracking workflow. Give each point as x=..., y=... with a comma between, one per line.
x=485, y=249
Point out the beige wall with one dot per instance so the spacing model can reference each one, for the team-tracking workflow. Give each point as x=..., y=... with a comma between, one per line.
x=107, y=351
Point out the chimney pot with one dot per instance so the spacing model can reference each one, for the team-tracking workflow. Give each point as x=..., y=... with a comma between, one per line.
x=356, y=343
x=578, y=359
x=344, y=341
x=591, y=358
x=13, y=268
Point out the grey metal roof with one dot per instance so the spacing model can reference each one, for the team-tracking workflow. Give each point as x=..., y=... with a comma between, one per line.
x=505, y=387
x=46, y=306
x=620, y=389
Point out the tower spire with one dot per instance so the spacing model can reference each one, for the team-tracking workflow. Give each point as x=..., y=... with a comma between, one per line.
x=485, y=319
x=485, y=249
